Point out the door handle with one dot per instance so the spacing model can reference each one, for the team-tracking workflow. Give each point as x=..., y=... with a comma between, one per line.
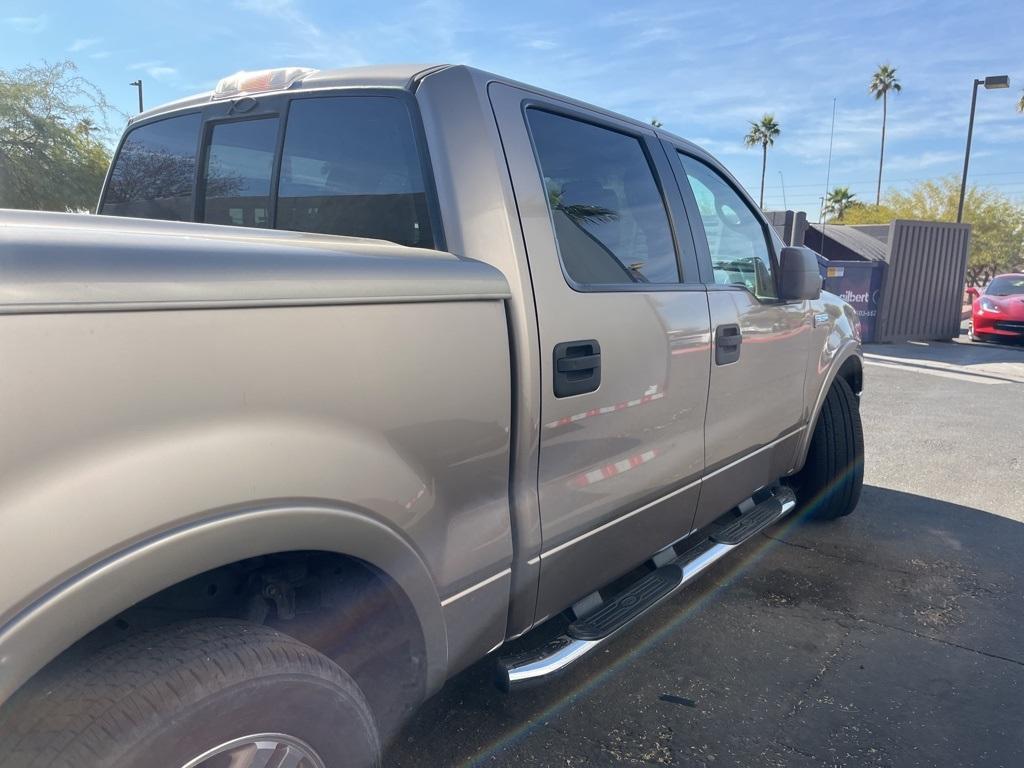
x=577, y=367
x=582, y=363
x=728, y=340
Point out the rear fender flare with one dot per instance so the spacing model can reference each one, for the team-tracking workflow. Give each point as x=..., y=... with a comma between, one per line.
x=65, y=614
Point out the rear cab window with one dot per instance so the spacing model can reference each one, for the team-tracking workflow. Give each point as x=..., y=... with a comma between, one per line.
x=336, y=164
x=238, y=173
x=350, y=166
x=154, y=175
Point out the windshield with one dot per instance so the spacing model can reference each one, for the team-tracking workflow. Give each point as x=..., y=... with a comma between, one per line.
x=1006, y=285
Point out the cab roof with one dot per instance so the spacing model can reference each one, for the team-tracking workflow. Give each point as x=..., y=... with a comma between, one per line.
x=405, y=77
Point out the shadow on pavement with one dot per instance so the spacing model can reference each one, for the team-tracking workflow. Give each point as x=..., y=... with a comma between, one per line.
x=892, y=637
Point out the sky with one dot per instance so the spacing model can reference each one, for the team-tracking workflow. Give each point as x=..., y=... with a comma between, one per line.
x=703, y=69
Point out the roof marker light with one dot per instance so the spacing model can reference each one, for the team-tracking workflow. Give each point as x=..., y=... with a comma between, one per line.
x=257, y=81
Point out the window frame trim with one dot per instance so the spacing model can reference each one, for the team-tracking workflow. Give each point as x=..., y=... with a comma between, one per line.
x=647, y=142
x=690, y=201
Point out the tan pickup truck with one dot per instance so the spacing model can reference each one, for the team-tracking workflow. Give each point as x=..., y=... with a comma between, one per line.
x=519, y=369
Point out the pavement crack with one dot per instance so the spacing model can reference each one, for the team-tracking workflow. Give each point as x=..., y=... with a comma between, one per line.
x=796, y=750
x=923, y=636
x=826, y=665
x=840, y=558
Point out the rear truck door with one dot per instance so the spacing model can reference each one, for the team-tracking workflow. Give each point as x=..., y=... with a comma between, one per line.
x=624, y=336
x=755, y=411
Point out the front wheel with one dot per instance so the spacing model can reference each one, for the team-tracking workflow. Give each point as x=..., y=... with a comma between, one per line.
x=830, y=482
x=201, y=694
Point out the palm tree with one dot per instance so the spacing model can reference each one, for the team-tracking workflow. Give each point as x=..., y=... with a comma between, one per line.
x=1020, y=103
x=838, y=200
x=764, y=133
x=883, y=81
x=656, y=122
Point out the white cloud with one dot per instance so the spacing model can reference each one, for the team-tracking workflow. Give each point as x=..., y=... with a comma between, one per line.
x=84, y=42
x=283, y=10
x=541, y=45
x=28, y=24
x=155, y=69
x=717, y=147
x=928, y=159
x=100, y=55
x=303, y=41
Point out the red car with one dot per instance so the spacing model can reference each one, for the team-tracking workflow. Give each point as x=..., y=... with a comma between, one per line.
x=998, y=312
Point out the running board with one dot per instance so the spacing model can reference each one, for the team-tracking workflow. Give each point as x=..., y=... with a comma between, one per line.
x=587, y=633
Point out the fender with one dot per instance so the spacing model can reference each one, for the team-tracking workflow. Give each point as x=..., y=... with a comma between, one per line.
x=66, y=613
x=92, y=534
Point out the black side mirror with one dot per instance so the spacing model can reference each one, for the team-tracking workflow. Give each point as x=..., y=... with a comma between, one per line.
x=799, y=277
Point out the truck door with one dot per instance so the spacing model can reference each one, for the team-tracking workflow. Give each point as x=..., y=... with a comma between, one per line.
x=624, y=335
x=755, y=411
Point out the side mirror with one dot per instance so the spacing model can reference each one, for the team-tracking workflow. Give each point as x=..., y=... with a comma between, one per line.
x=799, y=277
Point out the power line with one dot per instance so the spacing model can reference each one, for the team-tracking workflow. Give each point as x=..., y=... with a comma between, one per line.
x=913, y=180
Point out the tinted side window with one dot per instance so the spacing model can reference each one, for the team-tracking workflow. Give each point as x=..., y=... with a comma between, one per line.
x=239, y=165
x=739, y=251
x=609, y=216
x=155, y=170
x=350, y=167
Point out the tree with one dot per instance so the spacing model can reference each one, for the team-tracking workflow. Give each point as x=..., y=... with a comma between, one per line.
x=656, y=122
x=54, y=135
x=997, y=222
x=1020, y=102
x=883, y=81
x=763, y=133
x=838, y=201
x=868, y=213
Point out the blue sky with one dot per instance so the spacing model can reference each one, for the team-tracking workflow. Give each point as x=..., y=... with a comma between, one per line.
x=702, y=69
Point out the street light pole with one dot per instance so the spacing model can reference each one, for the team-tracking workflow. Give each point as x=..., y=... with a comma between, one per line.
x=967, y=153
x=138, y=84
x=990, y=82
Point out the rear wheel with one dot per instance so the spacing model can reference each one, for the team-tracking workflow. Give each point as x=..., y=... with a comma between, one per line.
x=201, y=694
x=830, y=482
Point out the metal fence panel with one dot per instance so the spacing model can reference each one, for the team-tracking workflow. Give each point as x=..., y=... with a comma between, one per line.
x=924, y=281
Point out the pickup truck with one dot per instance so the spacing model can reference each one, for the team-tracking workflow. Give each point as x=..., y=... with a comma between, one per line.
x=360, y=376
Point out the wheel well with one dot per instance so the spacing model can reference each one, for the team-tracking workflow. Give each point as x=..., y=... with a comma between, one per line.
x=852, y=371
x=342, y=606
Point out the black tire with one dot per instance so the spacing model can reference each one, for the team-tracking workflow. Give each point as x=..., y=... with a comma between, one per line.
x=161, y=698
x=830, y=482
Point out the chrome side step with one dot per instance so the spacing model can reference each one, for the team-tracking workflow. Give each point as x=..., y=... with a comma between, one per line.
x=584, y=635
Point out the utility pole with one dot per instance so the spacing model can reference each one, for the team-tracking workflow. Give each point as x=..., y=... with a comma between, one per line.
x=785, y=205
x=138, y=84
x=828, y=176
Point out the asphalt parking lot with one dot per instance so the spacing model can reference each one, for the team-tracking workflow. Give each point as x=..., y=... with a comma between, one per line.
x=894, y=637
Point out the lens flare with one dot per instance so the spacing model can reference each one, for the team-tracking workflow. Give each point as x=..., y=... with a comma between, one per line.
x=670, y=624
